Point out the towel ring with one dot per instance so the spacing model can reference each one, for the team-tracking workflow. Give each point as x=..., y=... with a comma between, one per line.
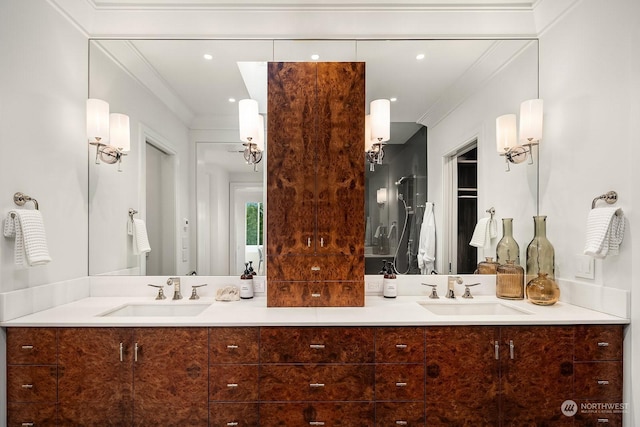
x=610, y=197
x=20, y=199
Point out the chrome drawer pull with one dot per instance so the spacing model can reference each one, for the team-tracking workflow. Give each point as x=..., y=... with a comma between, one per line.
x=316, y=385
x=322, y=242
x=603, y=420
x=401, y=384
x=135, y=352
x=121, y=352
x=402, y=423
x=496, y=347
x=232, y=347
x=309, y=242
x=27, y=385
x=316, y=423
x=232, y=385
x=316, y=295
x=317, y=346
x=511, y=348
x=603, y=382
x=27, y=347
x=603, y=344
x=315, y=268
x=233, y=423
x=27, y=424
x=401, y=346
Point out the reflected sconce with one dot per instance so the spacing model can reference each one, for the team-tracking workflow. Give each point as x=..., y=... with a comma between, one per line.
x=251, y=131
x=110, y=133
x=377, y=131
x=514, y=149
x=381, y=196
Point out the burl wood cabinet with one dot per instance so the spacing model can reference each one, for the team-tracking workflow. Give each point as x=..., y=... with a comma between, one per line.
x=323, y=376
x=315, y=184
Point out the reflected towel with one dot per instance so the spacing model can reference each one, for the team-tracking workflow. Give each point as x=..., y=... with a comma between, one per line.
x=27, y=227
x=486, y=229
x=140, y=238
x=605, y=230
x=427, y=244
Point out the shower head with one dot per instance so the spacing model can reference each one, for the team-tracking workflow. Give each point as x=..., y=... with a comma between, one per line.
x=404, y=178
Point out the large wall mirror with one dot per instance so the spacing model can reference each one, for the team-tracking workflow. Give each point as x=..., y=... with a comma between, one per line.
x=203, y=206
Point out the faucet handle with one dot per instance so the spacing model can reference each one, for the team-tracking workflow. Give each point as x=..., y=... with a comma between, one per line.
x=160, y=291
x=434, y=290
x=467, y=291
x=194, y=291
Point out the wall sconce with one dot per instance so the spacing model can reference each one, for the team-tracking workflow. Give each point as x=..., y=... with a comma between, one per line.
x=110, y=133
x=377, y=131
x=530, y=132
x=381, y=196
x=251, y=131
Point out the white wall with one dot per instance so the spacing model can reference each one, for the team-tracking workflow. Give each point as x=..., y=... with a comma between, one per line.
x=512, y=194
x=589, y=80
x=112, y=193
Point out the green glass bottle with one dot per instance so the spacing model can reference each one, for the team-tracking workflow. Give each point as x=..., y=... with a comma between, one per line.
x=540, y=252
x=507, y=248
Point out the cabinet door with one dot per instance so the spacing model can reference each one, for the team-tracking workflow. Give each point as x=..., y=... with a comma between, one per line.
x=95, y=376
x=536, y=375
x=171, y=377
x=291, y=180
x=462, y=376
x=340, y=148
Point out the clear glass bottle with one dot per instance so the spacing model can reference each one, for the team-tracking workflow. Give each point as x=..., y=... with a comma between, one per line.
x=540, y=252
x=510, y=281
x=507, y=248
x=543, y=291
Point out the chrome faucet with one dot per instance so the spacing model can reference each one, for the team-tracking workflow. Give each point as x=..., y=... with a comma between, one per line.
x=451, y=281
x=176, y=290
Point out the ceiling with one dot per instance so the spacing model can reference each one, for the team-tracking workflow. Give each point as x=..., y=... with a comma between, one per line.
x=299, y=3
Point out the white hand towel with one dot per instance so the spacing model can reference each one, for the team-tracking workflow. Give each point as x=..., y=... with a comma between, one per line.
x=427, y=243
x=27, y=227
x=605, y=230
x=481, y=234
x=140, y=238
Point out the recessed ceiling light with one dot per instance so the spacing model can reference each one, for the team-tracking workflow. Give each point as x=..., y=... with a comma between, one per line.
x=393, y=99
x=232, y=100
x=315, y=56
x=207, y=56
x=420, y=56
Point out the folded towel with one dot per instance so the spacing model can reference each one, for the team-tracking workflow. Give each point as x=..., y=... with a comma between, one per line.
x=486, y=229
x=605, y=230
x=27, y=227
x=140, y=238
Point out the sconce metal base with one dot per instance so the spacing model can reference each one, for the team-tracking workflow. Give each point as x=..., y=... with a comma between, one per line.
x=375, y=155
x=252, y=155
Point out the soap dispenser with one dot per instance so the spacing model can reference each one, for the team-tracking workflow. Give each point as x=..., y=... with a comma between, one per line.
x=246, y=280
x=389, y=287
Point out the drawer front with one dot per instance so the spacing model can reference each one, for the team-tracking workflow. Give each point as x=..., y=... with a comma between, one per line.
x=316, y=345
x=339, y=414
x=603, y=419
x=400, y=382
x=598, y=342
x=316, y=382
x=31, y=414
x=96, y=413
x=233, y=383
x=400, y=345
x=32, y=384
x=598, y=380
x=31, y=346
x=233, y=415
x=315, y=268
x=400, y=414
x=316, y=294
x=233, y=345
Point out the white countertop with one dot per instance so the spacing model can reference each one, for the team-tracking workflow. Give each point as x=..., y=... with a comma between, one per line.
x=378, y=311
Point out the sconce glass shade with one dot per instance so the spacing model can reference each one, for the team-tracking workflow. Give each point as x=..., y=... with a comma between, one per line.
x=119, y=132
x=506, y=134
x=380, y=111
x=531, y=121
x=260, y=140
x=97, y=120
x=368, y=142
x=248, y=115
x=381, y=196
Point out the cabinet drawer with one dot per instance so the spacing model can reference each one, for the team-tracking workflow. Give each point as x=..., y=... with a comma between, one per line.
x=316, y=382
x=598, y=342
x=316, y=345
x=399, y=414
x=233, y=345
x=31, y=414
x=31, y=346
x=233, y=383
x=233, y=415
x=339, y=414
x=400, y=345
x=585, y=419
x=315, y=294
x=598, y=380
x=315, y=267
x=400, y=382
x=32, y=384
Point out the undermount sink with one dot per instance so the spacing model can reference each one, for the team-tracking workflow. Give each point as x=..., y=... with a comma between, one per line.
x=156, y=310
x=473, y=309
